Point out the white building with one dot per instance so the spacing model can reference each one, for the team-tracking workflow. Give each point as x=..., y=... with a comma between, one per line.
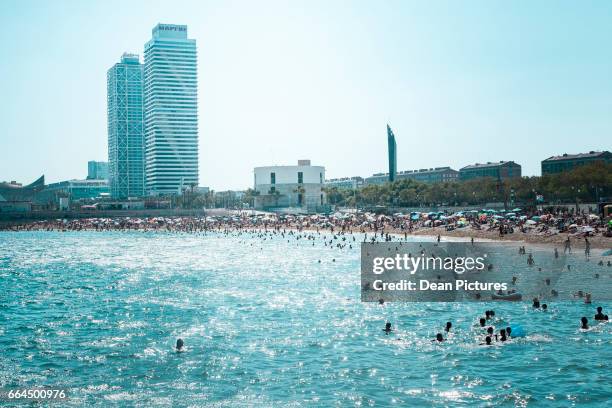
x=290, y=186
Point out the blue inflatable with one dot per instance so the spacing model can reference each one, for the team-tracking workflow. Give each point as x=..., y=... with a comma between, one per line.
x=517, y=331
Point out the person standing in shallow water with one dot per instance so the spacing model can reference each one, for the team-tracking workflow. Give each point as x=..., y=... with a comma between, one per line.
x=179, y=345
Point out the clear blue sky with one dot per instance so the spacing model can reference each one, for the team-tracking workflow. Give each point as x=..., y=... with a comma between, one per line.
x=459, y=82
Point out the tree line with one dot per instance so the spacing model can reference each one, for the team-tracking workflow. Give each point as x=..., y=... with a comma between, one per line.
x=588, y=183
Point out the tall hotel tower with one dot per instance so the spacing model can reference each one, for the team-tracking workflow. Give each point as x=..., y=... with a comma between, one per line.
x=125, y=128
x=170, y=110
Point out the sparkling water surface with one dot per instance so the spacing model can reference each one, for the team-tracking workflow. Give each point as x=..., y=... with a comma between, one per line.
x=265, y=324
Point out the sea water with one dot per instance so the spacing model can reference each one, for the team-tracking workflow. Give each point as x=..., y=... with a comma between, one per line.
x=266, y=324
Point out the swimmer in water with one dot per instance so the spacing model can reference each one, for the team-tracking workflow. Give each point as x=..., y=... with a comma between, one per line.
x=387, y=328
x=482, y=322
x=585, y=323
x=490, y=330
x=502, y=334
x=599, y=315
x=179, y=345
x=544, y=307
x=536, y=303
x=439, y=338
x=448, y=326
x=487, y=341
x=508, y=331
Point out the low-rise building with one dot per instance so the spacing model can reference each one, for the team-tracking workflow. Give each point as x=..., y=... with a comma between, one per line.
x=502, y=170
x=77, y=189
x=568, y=162
x=298, y=186
x=350, y=183
x=431, y=175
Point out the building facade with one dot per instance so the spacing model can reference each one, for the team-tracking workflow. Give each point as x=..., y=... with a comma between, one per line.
x=126, y=128
x=502, y=170
x=432, y=175
x=298, y=186
x=392, y=151
x=77, y=189
x=568, y=162
x=170, y=110
x=350, y=183
x=97, y=170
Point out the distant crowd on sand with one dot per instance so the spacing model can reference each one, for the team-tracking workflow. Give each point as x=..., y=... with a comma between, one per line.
x=489, y=223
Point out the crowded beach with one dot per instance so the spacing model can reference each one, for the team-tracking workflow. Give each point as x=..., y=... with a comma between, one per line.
x=553, y=226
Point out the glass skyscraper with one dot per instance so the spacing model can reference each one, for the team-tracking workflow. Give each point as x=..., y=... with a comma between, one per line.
x=171, y=110
x=126, y=128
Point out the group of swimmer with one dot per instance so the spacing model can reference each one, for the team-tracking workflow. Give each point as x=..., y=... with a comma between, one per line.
x=598, y=316
x=505, y=333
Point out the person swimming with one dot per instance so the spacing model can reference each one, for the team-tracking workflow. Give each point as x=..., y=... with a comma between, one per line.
x=448, y=326
x=585, y=323
x=508, y=331
x=544, y=306
x=482, y=322
x=487, y=341
x=599, y=315
x=439, y=338
x=502, y=335
x=487, y=314
x=490, y=330
x=179, y=345
x=536, y=303
x=387, y=328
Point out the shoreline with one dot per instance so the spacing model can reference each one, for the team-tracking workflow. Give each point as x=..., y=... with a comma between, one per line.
x=552, y=240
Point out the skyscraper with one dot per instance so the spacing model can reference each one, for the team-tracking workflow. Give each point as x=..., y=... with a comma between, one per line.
x=97, y=170
x=171, y=110
x=392, y=147
x=125, y=128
